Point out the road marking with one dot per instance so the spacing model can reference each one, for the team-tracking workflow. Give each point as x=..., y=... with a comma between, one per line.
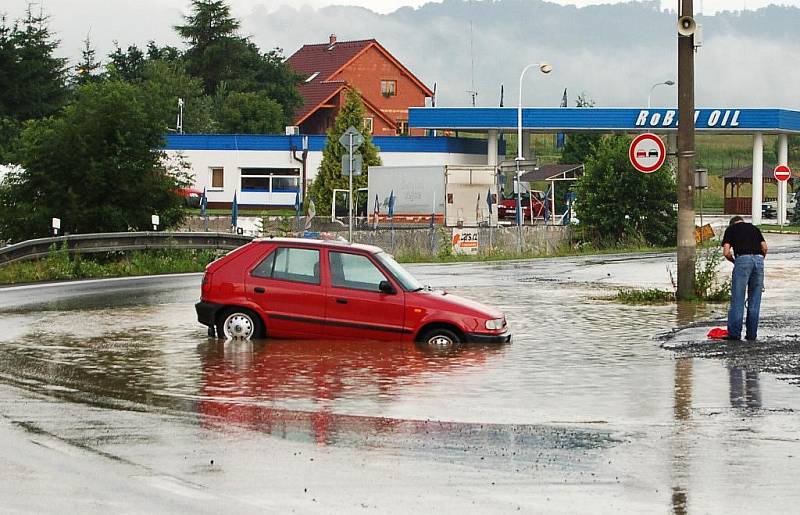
x=93, y=281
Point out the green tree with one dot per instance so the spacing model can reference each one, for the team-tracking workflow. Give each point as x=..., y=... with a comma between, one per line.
x=166, y=82
x=87, y=68
x=579, y=145
x=126, y=65
x=617, y=204
x=329, y=175
x=224, y=60
x=214, y=46
x=96, y=166
x=249, y=113
x=32, y=79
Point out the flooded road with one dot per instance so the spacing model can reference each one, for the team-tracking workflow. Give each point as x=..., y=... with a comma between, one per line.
x=583, y=411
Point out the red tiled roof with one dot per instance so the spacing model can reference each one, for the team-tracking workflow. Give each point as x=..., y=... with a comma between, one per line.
x=322, y=61
x=325, y=58
x=315, y=93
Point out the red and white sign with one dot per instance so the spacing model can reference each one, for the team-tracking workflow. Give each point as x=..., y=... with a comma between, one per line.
x=647, y=152
x=782, y=173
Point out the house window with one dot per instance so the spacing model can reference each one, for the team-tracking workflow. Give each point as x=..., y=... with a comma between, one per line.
x=217, y=177
x=368, y=124
x=270, y=180
x=402, y=127
x=388, y=88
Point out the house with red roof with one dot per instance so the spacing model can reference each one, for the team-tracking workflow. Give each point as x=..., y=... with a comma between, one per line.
x=387, y=87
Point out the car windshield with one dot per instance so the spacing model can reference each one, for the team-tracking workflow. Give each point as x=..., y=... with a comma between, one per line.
x=406, y=280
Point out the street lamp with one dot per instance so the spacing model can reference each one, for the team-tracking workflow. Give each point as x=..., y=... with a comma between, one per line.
x=544, y=68
x=654, y=86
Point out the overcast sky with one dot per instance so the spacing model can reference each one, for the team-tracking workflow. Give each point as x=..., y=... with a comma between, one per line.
x=15, y=7
x=738, y=65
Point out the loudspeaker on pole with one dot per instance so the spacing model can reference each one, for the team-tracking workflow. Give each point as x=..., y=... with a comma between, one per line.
x=686, y=26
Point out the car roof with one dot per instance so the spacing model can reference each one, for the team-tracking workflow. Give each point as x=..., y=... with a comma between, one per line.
x=334, y=244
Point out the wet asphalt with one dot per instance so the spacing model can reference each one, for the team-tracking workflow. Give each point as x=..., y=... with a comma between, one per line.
x=113, y=397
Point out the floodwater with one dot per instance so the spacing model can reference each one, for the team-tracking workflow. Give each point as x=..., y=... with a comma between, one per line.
x=594, y=406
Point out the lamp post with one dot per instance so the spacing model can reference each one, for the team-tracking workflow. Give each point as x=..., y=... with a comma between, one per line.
x=654, y=86
x=544, y=68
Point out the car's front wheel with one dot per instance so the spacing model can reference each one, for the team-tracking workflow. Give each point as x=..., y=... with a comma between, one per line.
x=440, y=337
x=239, y=324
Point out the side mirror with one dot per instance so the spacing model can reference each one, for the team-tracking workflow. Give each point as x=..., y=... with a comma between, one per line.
x=386, y=287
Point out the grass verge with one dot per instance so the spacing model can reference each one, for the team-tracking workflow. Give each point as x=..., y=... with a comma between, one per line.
x=59, y=265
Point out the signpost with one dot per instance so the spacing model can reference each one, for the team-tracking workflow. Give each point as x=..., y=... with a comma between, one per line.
x=782, y=174
x=351, y=140
x=647, y=152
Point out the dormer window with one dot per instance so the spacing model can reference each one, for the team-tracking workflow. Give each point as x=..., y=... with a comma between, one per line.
x=312, y=76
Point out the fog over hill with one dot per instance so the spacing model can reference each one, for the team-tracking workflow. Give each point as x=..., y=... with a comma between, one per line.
x=613, y=53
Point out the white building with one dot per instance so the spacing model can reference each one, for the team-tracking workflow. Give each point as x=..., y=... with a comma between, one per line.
x=267, y=170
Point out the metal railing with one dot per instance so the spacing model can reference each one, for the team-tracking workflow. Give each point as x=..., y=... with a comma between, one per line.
x=121, y=241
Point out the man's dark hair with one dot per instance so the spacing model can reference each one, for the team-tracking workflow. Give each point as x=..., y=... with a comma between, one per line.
x=735, y=219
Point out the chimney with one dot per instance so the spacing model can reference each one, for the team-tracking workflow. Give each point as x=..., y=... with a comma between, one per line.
x=333, y=39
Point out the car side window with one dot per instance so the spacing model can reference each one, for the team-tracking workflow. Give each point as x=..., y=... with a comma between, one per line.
x=264, y=269
x=354, y=271
x=290, y=264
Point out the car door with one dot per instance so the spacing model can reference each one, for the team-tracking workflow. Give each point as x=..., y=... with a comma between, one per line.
x=356, y=308
x=287, y=285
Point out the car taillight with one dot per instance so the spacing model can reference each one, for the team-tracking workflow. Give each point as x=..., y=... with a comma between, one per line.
x=206, y=283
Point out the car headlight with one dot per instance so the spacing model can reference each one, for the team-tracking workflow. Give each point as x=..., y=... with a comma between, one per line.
x=495, y=324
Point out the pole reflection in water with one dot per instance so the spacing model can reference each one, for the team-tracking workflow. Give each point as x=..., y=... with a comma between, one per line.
x=682, y=413
x=681, y=447
x=289, y=388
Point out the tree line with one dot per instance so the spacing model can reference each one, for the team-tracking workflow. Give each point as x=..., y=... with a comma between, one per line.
x=87, y=137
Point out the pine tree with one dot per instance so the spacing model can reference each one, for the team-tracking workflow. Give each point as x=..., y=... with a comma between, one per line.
x=329, y=176
x=214, y=46
x=32, y=79
x=86, y=69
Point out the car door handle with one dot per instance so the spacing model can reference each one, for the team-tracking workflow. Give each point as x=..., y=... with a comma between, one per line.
x=259, y=289
x=341, y=301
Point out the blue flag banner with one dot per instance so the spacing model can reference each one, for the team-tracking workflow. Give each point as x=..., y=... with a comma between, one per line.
x=234, y=211
x=390, y=210
x=560, y=136
x=489, y=201
x=297, y=204
x=203, y=203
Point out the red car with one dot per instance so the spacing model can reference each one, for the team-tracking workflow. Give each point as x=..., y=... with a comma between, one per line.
x=300, y=288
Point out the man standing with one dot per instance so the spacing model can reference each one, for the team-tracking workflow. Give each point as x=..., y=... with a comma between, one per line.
x=749, y=251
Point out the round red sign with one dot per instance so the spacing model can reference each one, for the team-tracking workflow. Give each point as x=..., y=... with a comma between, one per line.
x=647, y=152
x=782, y=173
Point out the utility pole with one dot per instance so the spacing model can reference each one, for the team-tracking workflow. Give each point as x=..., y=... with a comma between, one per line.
x=686, y=242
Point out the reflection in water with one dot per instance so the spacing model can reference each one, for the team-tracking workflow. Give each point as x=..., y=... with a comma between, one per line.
x=681, y=447
x=250, y=384
x=254, y=386
x=745, y=389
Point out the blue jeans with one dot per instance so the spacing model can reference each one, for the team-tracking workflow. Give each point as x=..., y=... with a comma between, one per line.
x=748, y=274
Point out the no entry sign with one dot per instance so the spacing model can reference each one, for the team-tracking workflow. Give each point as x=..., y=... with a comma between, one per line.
x=782, y=173
x=647, y=152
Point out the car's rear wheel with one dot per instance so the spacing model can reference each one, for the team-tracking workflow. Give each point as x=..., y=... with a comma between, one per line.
x=239, y=324
x=440, y=337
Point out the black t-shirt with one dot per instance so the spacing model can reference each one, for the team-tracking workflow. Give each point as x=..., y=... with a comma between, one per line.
x=745, y=238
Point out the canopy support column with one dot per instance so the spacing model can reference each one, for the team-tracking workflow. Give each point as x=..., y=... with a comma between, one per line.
x=758, y=178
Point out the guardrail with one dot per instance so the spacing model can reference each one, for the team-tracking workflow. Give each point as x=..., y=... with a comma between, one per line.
x=121, y=241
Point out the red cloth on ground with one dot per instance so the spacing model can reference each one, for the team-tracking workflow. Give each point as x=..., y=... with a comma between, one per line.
x=718, y=333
